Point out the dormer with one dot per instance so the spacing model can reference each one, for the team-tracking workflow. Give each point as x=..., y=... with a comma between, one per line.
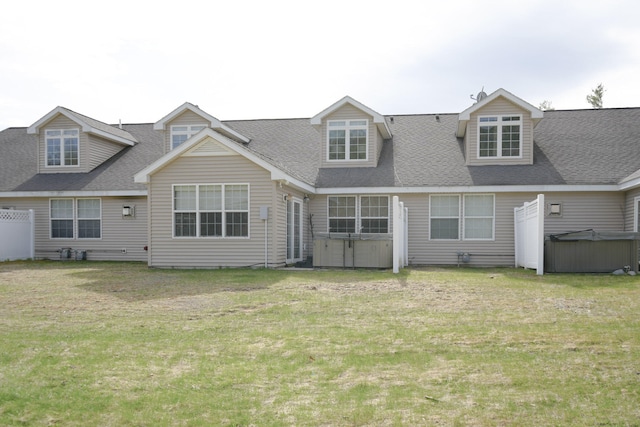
x=352, y=134
x=186, y=121
x=71, y=142
x=498, y=130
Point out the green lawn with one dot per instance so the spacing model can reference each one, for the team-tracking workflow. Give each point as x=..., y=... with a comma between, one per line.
x=118, y=344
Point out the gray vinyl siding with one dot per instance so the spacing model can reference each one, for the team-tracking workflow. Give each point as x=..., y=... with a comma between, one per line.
x=600, y=211
x=212, y=252
x=62, y=122
x=101, y=150
x=349, y=112
x=118, y=233
x=184, y=119
x=499, y=106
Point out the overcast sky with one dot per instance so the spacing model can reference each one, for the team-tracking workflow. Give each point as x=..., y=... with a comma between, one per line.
x=136, y=61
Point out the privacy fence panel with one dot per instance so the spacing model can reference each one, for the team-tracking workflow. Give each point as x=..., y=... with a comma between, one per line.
x=17, y=234
x=529, y=235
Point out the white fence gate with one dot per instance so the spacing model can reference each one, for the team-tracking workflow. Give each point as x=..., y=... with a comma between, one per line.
x=529, y=235
x=17, y=234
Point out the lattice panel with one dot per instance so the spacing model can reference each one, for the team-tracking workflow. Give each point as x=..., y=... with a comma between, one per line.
x=13, y=216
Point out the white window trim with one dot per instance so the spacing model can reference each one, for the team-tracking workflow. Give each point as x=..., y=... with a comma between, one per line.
x=197, y=211
x=75, y=219
x=499, y=123
x=291, y=233
x=46, y=147
x=462, y=218
x=459, y=217
x=636, y=212
x=347, y=127
x=189, y=132
x=493, y=219
x=358, y=214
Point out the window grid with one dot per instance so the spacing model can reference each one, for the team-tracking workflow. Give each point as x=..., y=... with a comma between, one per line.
x=347, y=140
x=211, y=210
x=499, y=136
x=180, y=134
x=364, y=214
x=62, y=147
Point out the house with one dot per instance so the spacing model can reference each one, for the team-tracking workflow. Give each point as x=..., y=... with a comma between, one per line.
x=193, y=191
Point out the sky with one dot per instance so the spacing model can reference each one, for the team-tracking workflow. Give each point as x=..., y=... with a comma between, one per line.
x=135, y=61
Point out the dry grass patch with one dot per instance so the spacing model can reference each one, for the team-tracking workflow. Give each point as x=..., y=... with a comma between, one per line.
x=119, y=344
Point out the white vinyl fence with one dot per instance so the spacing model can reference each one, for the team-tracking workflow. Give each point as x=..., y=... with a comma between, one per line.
x=17, y=234
x=529, y=235
x=400, y=235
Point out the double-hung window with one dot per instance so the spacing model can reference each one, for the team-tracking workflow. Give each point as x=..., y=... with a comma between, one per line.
x=62, y=147
x=71, y=218
x=211, y=210
x=374, y=214
x=444, y=214
x=475, y=217
x=478, y=216
x=499, y=136
x=347, y=139
x=364, y=214
x=180, y=134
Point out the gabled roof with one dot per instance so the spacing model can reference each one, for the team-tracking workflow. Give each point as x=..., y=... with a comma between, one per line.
x=87, y=124
x=378, y=119
x=213, y=122
x=465, y=116
x=276, y=174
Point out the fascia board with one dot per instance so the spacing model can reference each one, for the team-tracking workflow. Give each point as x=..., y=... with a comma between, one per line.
x=276, y=174
x=112, y=137
x=35, y=128
x=75, y=193
x=629, y=185
x=378, y=119
x=469, y=189
x=213, y=122
x=536, y=114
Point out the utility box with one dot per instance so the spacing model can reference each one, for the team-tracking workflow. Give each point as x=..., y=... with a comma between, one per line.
x=353, y=252
x=590, y=252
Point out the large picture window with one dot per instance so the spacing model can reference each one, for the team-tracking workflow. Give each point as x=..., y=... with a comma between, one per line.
x=71, y=218
x=364, y=214
x=347, y=139
x=211, y=210
x=476, y=214
x=499, y=136
x=62, y=147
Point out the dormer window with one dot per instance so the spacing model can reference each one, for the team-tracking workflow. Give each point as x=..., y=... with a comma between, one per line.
x=180, y=134
x=62, y=147
x=499, y=136
x=347, y=139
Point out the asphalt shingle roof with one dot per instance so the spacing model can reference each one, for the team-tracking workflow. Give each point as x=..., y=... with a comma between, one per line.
x=575, y=147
